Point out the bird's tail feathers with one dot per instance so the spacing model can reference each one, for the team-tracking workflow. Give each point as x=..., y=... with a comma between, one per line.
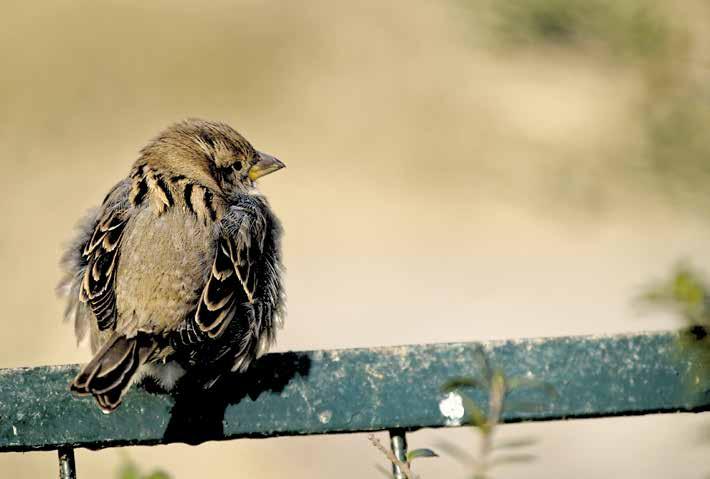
x=110, y=372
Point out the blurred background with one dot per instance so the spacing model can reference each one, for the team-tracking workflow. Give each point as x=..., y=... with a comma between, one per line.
x=457, y=171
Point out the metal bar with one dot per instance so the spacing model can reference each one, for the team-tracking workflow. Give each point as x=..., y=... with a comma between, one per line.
x=67, y=466
x=398, y=443
x=325, y=392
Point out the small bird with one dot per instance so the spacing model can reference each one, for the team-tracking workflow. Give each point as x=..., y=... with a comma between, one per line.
x=180, y=268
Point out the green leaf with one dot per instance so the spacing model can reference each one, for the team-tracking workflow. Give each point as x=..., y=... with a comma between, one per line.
x=498, y=386
x=684, y=293
x=515, y=443
x=128, y=471
x=482, y=362
x=478, y=417
x=456, y=383
x=417, y=453
x=158, y=475
x=688, y=288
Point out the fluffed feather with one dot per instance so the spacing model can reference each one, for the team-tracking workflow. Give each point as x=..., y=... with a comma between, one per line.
x=180, y=268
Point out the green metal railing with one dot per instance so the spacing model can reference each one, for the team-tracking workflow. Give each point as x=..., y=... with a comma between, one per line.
x=397, y=389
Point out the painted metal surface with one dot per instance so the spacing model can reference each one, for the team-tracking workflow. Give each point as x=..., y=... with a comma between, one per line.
x=321, y=392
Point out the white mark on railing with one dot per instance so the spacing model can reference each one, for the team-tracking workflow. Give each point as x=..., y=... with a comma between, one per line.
x=452, y=409
x=325, y=416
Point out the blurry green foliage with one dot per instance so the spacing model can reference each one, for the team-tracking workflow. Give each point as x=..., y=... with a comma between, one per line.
x=631, y=28
x=679, y=147
x=130, y=470
x=555, y=21
x=686, y=294
x=486, y=419
x=404, y=466
x=674, y=109
x=418, y=453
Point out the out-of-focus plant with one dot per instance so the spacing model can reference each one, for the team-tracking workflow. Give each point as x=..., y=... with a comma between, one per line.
x=630, y=29
x=404, y=466
x=664, y=50
x=679, y=146
x=485, y=420
x=130, y=470
x=686, y=294
x=493, y=380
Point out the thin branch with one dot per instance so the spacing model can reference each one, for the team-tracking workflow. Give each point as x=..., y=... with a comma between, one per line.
x=403, y=466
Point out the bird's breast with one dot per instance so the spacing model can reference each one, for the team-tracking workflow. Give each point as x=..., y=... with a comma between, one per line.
x=163, y=265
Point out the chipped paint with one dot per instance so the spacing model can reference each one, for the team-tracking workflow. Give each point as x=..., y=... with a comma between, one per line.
x=325, y=416
x=451, y=408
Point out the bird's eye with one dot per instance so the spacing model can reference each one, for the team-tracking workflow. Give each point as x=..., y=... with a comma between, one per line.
x=237, y=166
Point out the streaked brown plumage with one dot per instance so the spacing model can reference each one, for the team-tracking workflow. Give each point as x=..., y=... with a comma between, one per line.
x=180, y=267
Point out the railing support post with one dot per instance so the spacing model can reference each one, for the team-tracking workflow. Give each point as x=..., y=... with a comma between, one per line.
x=398, y=442
x=67, y=466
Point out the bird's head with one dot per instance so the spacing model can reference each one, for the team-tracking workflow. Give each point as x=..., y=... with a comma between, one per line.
x=210, y=152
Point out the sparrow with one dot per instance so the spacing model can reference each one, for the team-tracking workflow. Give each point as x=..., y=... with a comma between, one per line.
x=179, y=269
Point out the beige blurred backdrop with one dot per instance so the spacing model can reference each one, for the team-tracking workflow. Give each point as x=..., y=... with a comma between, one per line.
x=457, y=171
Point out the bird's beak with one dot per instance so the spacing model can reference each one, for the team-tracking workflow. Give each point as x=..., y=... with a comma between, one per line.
x=266, y=164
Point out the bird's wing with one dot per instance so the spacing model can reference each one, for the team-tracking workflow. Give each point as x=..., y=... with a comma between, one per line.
x=241, y=304
x=100, y=257
x=233, y=277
